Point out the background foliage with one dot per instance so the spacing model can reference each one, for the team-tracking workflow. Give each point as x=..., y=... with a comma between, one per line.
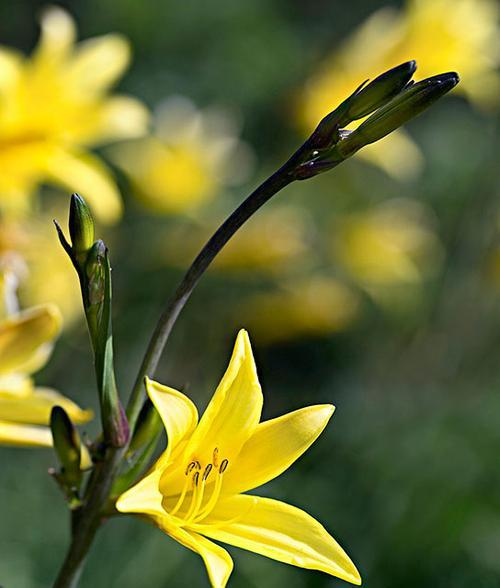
x=406, y=476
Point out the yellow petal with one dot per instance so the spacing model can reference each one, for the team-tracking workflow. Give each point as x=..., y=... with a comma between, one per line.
x=99, y=62
x=279, y=531
x=87, y=175
x=178, y=413
x=23, y=435
x=234, y=411
x=144, y=497
x=36, y=408
x=274, y=446
x=217, y=560
x=12, y=385
x=58, y=35
x=10, y=67
x=23, y=336
x=120, y=117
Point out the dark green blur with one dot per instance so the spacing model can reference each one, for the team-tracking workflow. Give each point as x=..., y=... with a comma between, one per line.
x=407, y=475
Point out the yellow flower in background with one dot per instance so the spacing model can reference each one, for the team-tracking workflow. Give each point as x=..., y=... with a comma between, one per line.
x=442, y=35
x=31, y=255
x=269, y=244
x=308, y=306
x=192, y=155
x=25, y=345
x=196, y=488
x=393, y=244
x=54, y=105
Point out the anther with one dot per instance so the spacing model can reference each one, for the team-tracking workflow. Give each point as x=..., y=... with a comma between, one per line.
x=215, y=457
x=223, y=466
x=196, y=476
x=207, y=471
x=197, y=464
x=190, y=467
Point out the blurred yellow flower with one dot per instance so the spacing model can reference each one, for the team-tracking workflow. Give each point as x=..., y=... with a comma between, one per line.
x=393, y=244
x=442, y=35
x=196, y=488
x=191, y=156
x=310, y=305
x=268, y=244
x=25, y=346
x=53, y=106
x=31, y=255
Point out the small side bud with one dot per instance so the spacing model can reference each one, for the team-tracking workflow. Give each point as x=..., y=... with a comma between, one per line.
x=67, y=445
x=81, y=226
x=115, y=423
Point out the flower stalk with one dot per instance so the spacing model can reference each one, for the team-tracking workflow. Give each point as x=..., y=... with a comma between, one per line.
x=390, y=100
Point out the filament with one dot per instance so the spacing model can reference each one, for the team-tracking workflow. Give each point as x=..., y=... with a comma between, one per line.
x=197, y=497
x=182, y=496
x=212, y=501
x=193, y=512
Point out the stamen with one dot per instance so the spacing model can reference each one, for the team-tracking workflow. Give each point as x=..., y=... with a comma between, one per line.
x=207, y=471
x=198, y=464
x=215, y=457
x=196, y=499
x=190, y=467
x=182, y=496
x=212, y=501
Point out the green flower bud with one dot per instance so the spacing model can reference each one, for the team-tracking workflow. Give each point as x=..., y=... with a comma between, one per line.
x=81, y=226
x=67, y=445
x=405, y=106
x=379, y=91
x=365, y=99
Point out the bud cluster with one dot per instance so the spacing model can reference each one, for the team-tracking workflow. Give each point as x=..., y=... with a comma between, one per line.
x=391, y=100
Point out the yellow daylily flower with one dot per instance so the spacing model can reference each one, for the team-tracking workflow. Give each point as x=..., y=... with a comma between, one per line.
x=195, y=491
x=442, y=35
x=53, y=106
x=25, y=345
x=191, y=155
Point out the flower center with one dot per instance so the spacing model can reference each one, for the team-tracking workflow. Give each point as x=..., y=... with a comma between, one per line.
x=200, y=503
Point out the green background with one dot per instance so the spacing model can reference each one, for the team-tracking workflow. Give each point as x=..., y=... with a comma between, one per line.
x=407, y=475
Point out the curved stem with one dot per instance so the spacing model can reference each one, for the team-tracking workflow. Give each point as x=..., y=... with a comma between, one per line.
x=257, y=198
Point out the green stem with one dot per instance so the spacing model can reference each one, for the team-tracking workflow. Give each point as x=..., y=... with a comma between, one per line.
x=247, y=208
x=88, y=518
